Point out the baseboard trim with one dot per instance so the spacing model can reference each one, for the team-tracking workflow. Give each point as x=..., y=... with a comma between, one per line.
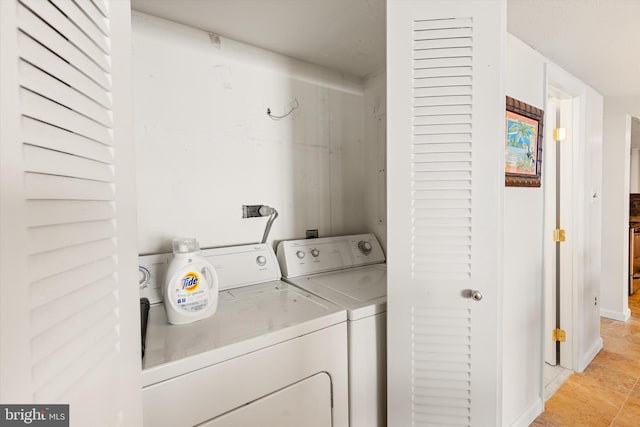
x=621, y=316
x=591, y=354
x=529, y=415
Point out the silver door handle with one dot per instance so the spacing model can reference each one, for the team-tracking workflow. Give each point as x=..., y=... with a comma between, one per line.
x=473, y=294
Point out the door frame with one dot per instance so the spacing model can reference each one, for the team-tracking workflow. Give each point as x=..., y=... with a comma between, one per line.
x=571, y=293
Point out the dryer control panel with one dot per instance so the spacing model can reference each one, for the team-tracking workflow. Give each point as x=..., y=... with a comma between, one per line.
x=235, y=266
x=310, y=256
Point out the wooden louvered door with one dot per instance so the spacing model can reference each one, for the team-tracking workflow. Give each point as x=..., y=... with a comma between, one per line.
x=69, y=319
x=445, y=151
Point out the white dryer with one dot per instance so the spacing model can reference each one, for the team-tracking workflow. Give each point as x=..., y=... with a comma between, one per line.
x=271, y=355
x=350, y=271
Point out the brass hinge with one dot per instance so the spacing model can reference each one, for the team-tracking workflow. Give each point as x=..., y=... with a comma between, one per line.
x=559, y=335
x=559, y=235
x=559, y=134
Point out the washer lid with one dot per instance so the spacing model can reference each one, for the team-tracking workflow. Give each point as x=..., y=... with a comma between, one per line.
x=362, y=291
x=247, y=319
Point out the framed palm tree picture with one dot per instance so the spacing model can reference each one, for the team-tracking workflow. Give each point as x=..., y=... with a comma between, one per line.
x=523, y=145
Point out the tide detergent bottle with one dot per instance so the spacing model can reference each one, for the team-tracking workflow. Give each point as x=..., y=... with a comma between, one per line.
x=191, y=288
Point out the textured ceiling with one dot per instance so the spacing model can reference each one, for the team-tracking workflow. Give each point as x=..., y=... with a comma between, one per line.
x=598, y=41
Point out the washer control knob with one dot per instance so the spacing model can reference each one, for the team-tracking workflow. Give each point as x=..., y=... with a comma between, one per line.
x=144, y=276
x=261, y=261
x=365, y=247
x=315, y=252
x=300, y=254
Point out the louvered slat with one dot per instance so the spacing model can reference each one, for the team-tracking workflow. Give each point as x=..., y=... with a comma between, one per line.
x=95, y=16
x=441, y=119
x=50, y=212
x=102, y=6
x=41, y=134
x=54, y=262
x=442, y=81
x=442, y=91
x=420, y=63
x=53, y=162
x=448, y=52
x=32, y=25
x=442, y=100
x=43, y=84
x=441, y=72
x=47, y=318
x=441, y=366
x=45, y=110
x=441, y=145
x=442, y=185
x=441, y=33
x=65, y=283
x=448, y=23
x=68, y=29
x=93, y=349
x=440, y=109
x=42, y=239
x=443, y=43
x=36, y=54
x=61, y=362
x=43, y=186
x=82, y=21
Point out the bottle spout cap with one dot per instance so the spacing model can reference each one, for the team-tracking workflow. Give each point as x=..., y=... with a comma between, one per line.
x=185, y=245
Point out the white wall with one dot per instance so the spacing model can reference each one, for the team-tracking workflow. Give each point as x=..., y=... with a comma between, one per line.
x=523, y=263
x=523, y=248
x=205, y=145
x=615, y=205
x=375, y=132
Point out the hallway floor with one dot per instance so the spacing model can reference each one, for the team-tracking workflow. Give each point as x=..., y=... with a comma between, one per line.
x=607, y=393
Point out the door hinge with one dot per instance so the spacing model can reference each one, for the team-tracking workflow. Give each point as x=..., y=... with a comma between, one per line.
x=559, y=335
x=559, y=235
x=559, y=134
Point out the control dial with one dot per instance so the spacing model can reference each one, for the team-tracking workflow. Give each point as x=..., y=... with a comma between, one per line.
x=300, y=254
x=315, y=252
x=365, y=247
x=261, y=261
x=144, y=276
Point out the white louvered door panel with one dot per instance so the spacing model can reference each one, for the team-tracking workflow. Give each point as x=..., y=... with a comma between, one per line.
x=445, y=150
x=69, y=320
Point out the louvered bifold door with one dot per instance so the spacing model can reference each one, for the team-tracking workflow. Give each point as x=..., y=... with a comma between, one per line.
x=69, y=320
x=445, y=150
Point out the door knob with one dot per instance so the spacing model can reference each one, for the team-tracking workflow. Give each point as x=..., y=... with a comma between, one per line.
x=476, y=295
x=473, y=294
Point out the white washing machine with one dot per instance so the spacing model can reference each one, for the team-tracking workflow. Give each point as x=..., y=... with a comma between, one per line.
x=272, y=355
x=350, y=271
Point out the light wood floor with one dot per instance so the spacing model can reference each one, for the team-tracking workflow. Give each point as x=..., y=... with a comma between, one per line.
x=607, y=393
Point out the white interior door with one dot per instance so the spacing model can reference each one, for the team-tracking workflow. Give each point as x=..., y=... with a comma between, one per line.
x=69, y=319
x=445, y=151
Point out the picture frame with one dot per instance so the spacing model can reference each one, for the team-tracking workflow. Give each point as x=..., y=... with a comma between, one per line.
x=524, y=126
